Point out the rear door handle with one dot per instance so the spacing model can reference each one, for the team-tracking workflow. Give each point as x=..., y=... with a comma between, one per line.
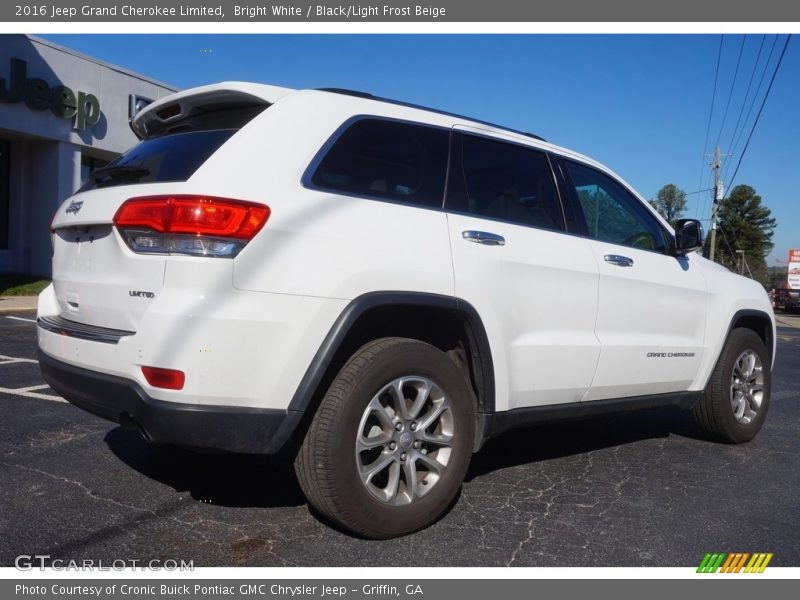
x=484, y=237
x=618, y=260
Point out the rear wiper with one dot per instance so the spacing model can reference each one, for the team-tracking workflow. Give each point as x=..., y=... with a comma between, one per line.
x=115, y=172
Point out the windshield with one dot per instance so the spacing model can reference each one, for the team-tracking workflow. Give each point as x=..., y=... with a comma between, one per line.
x=172, y=157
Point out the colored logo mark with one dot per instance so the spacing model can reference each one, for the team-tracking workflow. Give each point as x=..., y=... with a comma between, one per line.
x=735, y=562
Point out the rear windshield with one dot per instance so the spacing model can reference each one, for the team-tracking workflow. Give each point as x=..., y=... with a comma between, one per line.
x=173, y=157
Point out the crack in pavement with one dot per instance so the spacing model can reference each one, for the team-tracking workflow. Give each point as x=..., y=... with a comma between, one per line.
x=193, y=525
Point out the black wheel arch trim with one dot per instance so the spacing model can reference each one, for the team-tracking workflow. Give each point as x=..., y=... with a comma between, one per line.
x=768, y=335
x=359, y=306
x=769, y=341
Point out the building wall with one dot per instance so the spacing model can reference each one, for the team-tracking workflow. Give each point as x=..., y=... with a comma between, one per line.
x=46, y=148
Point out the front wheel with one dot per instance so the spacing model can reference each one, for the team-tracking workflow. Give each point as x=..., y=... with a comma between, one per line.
x=389, y=446
x=736, y=399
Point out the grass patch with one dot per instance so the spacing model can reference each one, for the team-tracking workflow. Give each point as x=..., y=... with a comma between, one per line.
x=12, y=284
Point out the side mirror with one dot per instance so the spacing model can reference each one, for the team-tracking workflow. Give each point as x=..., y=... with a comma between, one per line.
x=688, y=236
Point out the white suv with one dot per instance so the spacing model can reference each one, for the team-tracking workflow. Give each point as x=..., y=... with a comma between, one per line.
x=379, y=288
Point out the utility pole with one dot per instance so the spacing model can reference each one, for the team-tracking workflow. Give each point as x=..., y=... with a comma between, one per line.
x=719, y=193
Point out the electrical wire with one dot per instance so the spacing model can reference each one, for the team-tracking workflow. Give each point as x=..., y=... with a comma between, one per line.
x=758, y=91
x=750, y=136
x=731, y=148
x=708, y=127
x=730, y=94
x=760, y=110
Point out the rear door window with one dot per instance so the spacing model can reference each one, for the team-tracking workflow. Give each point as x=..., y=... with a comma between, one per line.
x=504, y=181
x=172, y=157
x=390, y=160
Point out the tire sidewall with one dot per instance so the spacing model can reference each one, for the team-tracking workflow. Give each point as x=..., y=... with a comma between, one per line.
x=407, y=359
x=739, y=341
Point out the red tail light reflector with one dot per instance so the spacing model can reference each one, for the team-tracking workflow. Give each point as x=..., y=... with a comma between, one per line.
x=168, y=379
x=194, y=215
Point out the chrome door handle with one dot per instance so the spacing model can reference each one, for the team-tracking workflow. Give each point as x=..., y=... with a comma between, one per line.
x=484, y=237
x=620, y=261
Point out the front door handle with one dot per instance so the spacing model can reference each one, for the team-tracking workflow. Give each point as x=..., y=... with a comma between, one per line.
x=484, y=237
x=618, y=260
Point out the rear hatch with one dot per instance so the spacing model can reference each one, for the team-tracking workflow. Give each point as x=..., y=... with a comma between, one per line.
x=98, y=279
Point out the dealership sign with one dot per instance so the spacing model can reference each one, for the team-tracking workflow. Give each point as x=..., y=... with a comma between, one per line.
x=37, y=94
x=794, y=269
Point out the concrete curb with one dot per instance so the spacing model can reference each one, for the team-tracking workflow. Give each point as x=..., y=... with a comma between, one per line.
x=10, y=304
x=788, y=320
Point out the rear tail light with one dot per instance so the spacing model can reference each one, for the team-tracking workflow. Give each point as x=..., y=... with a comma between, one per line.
x=196, y=225
x=168, y=379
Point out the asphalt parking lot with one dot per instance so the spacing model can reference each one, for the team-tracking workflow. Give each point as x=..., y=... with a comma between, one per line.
x=635, y=490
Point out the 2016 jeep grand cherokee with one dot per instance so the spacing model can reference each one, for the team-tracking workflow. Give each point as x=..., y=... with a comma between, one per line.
x=379, y=288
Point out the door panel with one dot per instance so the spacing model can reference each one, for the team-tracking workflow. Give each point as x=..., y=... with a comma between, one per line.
x=534, y=286
x=537, y=295
x=652, y=304
x=651, y=323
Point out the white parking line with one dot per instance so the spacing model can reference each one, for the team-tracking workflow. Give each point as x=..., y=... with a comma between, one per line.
x=7, y=360
x=25, y=393
x=33, y=388
x=22, y=319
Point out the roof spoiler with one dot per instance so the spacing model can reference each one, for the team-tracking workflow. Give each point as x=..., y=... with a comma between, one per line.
x=226, y=105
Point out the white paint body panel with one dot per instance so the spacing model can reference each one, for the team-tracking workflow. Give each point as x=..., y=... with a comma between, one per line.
x=537, y=297
x=648, y=313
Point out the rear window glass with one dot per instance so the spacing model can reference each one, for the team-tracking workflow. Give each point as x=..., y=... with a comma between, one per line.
x=391, y=160
x=170, y=158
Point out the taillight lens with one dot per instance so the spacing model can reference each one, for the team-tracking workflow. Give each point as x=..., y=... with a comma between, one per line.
x=198, y=225
x=168, y=379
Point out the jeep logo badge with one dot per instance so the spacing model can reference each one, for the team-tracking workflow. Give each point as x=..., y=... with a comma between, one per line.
x=74, y=207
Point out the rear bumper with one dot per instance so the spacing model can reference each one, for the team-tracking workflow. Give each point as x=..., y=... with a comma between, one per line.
x=123, y=401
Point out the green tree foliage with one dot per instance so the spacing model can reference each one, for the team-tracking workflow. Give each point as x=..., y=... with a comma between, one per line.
x=670, y=201
x=744, y=223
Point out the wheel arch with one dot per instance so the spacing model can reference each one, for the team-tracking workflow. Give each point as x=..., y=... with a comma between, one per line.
x=759, y=322
x=451, y=324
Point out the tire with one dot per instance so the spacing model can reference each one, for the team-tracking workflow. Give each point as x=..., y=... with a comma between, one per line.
x=424, y=466
x=733, y=410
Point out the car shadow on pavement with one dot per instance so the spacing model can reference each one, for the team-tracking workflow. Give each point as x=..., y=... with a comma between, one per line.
x=237, y=480
x=241, y=480
x=556, y=440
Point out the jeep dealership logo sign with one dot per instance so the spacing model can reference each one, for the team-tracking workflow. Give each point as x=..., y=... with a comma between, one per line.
x=38, y=95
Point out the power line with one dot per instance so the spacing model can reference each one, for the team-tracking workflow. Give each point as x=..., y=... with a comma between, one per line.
x=730, y=94
x=758, y=91
x=746, y=94
x=752, y=130
x=760, y=110
x=710, y=114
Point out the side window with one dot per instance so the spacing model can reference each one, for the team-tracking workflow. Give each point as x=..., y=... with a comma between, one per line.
x=393, y=160
x=612, y=213
x=505, y=181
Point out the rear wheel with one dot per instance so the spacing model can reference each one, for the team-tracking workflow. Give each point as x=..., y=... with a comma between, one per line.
x=736, y=399
x=388, y=448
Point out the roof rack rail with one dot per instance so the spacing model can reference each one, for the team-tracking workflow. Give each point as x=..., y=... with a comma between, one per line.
x=368, y=96
x=346, y=92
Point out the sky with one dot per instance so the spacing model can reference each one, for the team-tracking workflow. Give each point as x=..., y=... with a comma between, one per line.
x=640, y=104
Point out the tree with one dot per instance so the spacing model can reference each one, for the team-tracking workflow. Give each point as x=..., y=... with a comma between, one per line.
x=670, y=202
x=746, y=225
